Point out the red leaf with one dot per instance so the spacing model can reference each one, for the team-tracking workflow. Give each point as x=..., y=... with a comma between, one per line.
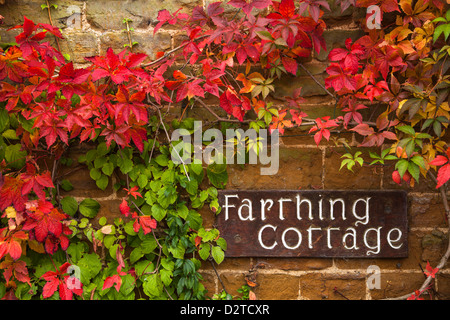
x=363, y=129
x=396, y=177
x=287, y=8
x=443, y=175
x=50, y=287
x=124, y=208
x=147, y=223
x=247, y=6
x=339, y=79
x=11, y=194
x=115, y=280
x=134, y=192
x=389, y=59
x=430, y=272
x=290, y=65
x=64, y=292
x=439, y=161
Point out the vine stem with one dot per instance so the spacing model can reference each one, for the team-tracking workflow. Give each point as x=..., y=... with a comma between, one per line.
x=218, y=276
x=317, y=81
x=446, y=256
x=51, y=22
x=129, y=35
x=168, y=139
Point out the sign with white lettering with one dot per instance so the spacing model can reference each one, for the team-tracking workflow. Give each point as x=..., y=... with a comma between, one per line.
x=314, y=223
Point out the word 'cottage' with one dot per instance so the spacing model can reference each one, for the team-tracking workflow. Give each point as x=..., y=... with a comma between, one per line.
x=315, y=223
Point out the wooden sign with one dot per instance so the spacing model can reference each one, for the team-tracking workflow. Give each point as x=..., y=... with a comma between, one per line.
x=314, y=223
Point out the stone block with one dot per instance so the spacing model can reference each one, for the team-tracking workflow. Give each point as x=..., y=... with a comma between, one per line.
x=109, y=14
x=147, y=43
x=15, y=10
x=277, y=287
x=361, y=177
x=322, y=286
x=296, y=264
x=79, y=46
x=298, y=169
x=397, y=284
x=426, y=211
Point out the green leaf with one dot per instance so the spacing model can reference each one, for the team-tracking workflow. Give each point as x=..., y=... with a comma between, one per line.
x=102, y=221
x=265, y=35
x=142, y=181
x=89, y=208
x=410, y=146
x=4, y=119
x=108, y=168
x=90, y=265
x=419, y=161
x=76, y=250
x=15, y=157
x=66, y=185
x=221, y=242
x=102, y=182
x=204, y=250
x=162, y=160
x=69, y=205
x=197, y=168
x=166, y=276
x=158, y=212
x=192, y=187
x=178, y=251
x=402, y=166
x=219, y=180
x=135, y=255
x=217, y=254
x=125, y=165
x=407, y=129
x=148, y=245
x=414, y=170
x=95, y=173
x=10, y=134
x=153, y=286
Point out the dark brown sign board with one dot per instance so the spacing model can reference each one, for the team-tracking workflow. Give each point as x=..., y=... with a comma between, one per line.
x=314, y=223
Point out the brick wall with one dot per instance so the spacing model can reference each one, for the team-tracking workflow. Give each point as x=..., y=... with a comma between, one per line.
x=90, y=27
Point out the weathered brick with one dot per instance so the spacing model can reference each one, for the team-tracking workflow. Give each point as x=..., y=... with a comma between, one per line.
x=78, y=174
x=397, y=284
x=426, y=211
x=109, y=14
x=434, y=244
x=209, y=281
x=232, y=282
x=322, y=286
x=110, y=210
x=15, y=10
x=298, y=169
x=443, y=286
x=294, y=264
x=147, y=42
x=277, y=287
x=361, y=177
x=79, y=46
